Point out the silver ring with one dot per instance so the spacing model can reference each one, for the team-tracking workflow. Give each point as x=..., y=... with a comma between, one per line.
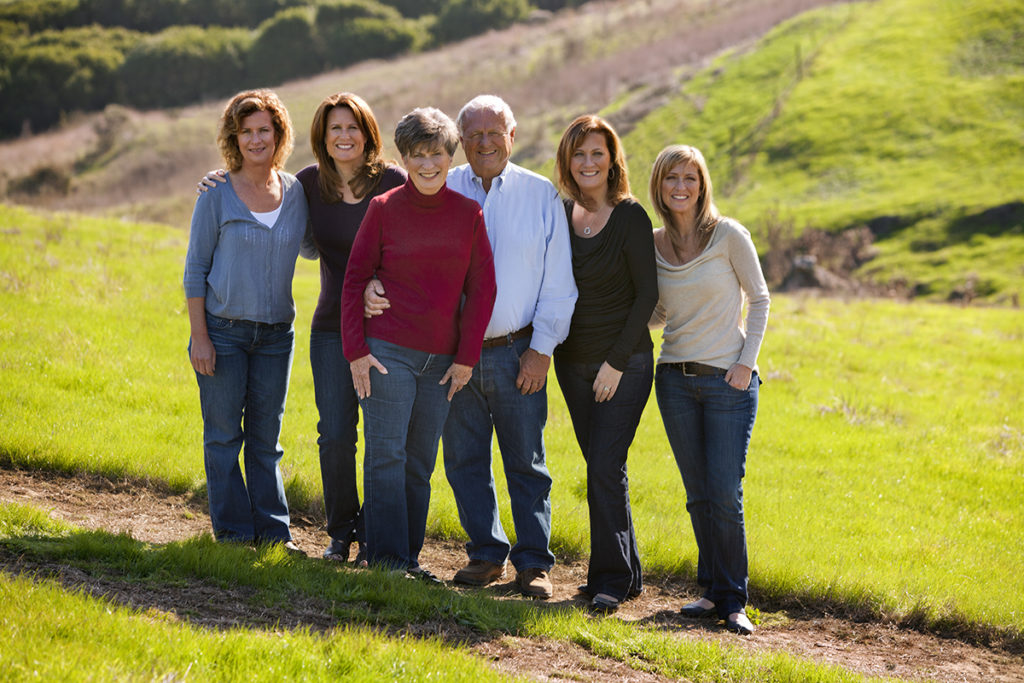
x=607, y=388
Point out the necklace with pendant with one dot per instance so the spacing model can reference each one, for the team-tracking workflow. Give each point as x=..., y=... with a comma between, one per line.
x=586, y=230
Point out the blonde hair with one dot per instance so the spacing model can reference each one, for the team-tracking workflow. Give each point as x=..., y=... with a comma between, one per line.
x=244, y=104
x=706, y=215
x=618, y=176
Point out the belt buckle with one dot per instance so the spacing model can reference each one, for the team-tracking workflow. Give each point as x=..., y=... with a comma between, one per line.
x=685, y=373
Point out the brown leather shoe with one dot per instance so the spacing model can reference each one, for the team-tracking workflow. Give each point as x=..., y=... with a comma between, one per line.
x=479, y=573
x=534, y=583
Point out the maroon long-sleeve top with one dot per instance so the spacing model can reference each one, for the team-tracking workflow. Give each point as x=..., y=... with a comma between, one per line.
x=433, y=257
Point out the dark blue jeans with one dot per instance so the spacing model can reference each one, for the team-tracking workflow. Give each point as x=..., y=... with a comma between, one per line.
x=402, y=421
x=605, y=432
x=243, y=404
x=709, y=425
x=491, y=405
x=338, y=407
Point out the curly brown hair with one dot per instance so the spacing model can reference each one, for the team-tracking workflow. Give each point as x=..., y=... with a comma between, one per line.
x=618, y=176
x=244, y=104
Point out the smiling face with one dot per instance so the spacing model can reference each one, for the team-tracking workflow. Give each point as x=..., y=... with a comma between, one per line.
x=680, y=189
x=428, y=167
x=590, y=164
x=487, y=142
x=344, y=139
x=256, y=139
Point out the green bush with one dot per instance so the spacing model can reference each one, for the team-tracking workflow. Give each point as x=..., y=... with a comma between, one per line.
x=461, y=18
x=184, y=64
x=352, y=30
x=285, y=48
x=416, y=8
x=55, y=72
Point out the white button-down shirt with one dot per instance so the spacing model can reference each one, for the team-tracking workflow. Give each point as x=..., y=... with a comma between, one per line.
x=529, y=237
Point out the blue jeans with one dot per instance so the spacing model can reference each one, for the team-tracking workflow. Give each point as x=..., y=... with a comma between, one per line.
x=709, y=425
x=492, y=405
x=338, y=406
x=243, y=405
x=402, y=421
x=604, y=432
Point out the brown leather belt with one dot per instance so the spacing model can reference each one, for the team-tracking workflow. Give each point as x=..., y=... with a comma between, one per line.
x=506, y=340
x=691, y=369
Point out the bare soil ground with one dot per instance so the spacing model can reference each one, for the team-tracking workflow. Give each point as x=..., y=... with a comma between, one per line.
x=869, y=648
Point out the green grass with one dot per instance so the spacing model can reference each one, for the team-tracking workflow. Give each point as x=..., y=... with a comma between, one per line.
x=100, y=640
x=883, y=475
x=907, y=109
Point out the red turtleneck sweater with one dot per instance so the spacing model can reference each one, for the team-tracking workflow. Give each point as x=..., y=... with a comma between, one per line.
x=428, y=251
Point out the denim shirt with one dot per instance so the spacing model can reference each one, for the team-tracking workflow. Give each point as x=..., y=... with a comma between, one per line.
x=241, y=267
x=529, y=238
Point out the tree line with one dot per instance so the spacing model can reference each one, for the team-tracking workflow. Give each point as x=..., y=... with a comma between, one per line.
x=59, y=56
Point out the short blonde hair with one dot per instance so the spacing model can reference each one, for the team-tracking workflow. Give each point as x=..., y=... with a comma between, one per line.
x=244, y=104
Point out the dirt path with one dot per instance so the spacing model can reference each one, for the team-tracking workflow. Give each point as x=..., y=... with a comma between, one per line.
x=868, y=648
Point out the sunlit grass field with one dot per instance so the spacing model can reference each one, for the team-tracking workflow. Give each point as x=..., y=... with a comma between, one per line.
x=884, y=474
x=100, y=640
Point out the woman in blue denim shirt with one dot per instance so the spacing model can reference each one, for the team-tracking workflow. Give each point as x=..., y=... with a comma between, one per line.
x=706, y=379
x=244, y=240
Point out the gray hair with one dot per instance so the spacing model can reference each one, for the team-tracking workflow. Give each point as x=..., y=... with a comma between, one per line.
x=426, y=126
x=491, y=103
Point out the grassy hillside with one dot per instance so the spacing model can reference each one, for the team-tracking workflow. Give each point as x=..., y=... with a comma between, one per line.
x=905, y=115
x=856, y=418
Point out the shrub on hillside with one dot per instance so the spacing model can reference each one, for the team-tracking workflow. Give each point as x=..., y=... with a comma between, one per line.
x=462, y=18
x=351, y=30
x=142, y=15
x=184, y=64
x=285, y=48
x=54, y=72
x=416, y=8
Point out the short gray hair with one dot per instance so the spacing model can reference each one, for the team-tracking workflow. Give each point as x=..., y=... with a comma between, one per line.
x=491, y=103
x=426, y=126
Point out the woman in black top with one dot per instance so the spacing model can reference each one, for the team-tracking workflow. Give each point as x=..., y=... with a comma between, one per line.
x=605, y=366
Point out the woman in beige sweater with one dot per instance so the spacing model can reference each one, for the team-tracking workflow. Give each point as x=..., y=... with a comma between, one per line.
x=706, y=379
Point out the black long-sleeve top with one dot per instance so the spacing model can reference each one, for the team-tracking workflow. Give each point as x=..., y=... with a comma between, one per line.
x=618, y=288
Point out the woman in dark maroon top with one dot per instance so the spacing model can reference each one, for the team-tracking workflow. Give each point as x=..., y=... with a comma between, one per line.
x=349, y=172
x=605, y=366
x=428, y=246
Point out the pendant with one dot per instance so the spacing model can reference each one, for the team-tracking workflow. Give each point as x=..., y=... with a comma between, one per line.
x=586, y=230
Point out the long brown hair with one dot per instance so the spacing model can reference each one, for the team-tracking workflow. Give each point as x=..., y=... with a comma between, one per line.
x=618, y=177
x=706, y=215
x=244, y=104
x=371, y=171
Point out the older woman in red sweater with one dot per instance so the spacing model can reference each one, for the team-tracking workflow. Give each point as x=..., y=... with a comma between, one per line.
x=428, y=246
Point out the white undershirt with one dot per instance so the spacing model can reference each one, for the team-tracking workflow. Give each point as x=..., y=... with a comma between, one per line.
x=267, y=218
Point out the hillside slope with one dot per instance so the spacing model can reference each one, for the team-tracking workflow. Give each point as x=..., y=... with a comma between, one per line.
x=904, y=115
x=144, y=165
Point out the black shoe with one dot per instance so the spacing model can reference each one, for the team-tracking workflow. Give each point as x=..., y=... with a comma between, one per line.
x=739, y=623
x=337, y=551
x=698, y=611
x=604, y=604
x=422, y=574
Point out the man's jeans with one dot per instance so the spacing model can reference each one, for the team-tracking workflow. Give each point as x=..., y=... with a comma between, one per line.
x=243, y=404
x=491, y=403
x=338, y=407
x=604, y=432
x=709, y=425
x=402, y=421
